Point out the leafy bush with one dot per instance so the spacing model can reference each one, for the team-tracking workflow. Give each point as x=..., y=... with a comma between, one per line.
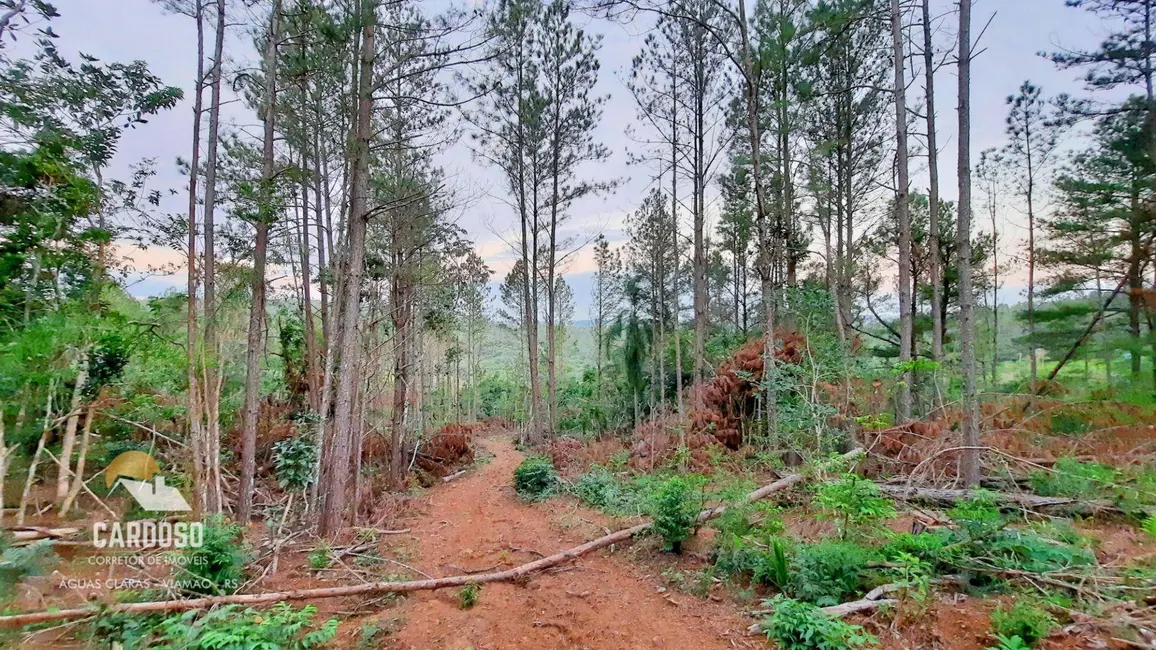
x=773, y=567
x=796, y=625
x=1026, y=550
x=1010, y=643
x=319, y=556
x=828, y=572
x=294, y=460
x=1025, y=620
x=1072, y=478
x=218, y=565
x=19, y=562
x=468, y=596
x=978, y=516
x=674, y=509
x=228, y=628
x=1149, y=525
x=854, y=502
x=927, y=546
x=601, y=489
x=535, y=478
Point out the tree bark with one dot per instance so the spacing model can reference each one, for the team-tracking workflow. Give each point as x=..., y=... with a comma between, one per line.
x=902, y=213
x=69, y=440
x=335, y=466
x=208, y=490
x=257, y=305
x=933, y=190
x=969, y=462
x=193, y=401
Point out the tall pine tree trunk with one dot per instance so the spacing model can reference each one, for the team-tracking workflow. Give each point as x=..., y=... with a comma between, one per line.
x=265, y=215
x=338, y=453
x=902, y=213
x=969, y=461
x=933, y=191
x=193, y=401
x=209, y=488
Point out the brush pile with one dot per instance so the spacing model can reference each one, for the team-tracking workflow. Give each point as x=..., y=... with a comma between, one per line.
x=730, y=396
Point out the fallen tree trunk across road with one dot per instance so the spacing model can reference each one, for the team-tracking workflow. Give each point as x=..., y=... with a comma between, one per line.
x=621, y=536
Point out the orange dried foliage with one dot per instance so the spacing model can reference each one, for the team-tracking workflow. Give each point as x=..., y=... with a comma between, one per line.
x=729, y=397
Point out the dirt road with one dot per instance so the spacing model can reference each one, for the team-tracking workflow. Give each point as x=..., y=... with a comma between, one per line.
x=601, y=602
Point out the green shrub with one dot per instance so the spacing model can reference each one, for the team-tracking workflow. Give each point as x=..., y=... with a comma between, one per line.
x=1026, y=550
x=229, y=628
x=1149, y=525
x=1072, y=478
x=978, y=516
x=294, y=460
x=855, y=503
x=319, y=556
x=674, y=508
x=1025, y=620
x=796, y=625
x=600, y=488
x=1069, y=424
x=218, y=565
x=19, y=562
x=929, y=547
x=535, y=479
x=468, y=596
x=1009, y=643
x=829, y=572
x=773, y=566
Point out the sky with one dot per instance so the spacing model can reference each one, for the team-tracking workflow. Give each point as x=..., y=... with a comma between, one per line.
x=123, y=30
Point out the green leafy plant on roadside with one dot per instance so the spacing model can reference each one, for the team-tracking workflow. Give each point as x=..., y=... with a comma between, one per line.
x=1009, y=643
x=19, y=562
x=1024, y=619
x=978, y=516
x=230, y=628
x=773, y=567
x=797, y=625
x=535, y=479
x=829, y=572
x=469, y=594
x=1149, y=525
x=319, y=556
x=218, y=565
x=855, y=503
x=674, y=507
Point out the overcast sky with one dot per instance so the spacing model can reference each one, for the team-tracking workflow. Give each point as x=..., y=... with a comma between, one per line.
x=123, y=30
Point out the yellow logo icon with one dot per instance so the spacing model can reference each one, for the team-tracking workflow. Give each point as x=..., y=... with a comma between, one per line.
x=133, y=464
x=141, y=477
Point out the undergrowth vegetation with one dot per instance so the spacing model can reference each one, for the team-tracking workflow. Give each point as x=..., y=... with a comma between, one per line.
x=226, y=628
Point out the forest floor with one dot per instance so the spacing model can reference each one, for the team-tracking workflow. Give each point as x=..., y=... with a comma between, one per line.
x=603, y=601
x=624, y=598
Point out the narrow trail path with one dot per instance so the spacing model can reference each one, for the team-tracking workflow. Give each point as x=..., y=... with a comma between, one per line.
x=600, y=602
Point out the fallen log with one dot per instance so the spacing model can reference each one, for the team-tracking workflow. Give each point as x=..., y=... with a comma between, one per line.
x=33, y=533
x=940, y=496
x=16, y=620
x=865, y=604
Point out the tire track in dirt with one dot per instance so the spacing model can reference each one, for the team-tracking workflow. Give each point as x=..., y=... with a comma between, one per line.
x=600, y=602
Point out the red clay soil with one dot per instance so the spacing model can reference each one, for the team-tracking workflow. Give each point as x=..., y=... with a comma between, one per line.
x=601, y=601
